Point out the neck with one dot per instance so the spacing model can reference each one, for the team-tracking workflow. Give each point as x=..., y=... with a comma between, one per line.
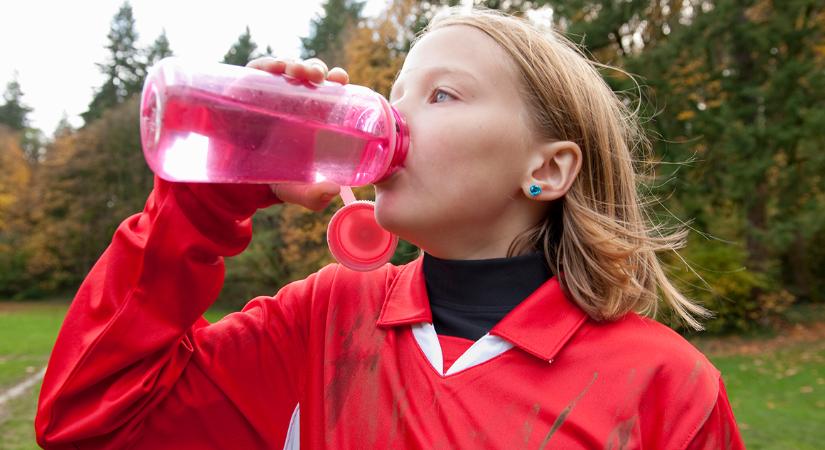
x=502, y=282
x=473, y=241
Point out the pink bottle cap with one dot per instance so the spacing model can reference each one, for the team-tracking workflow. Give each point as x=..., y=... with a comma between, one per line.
x=354, y=237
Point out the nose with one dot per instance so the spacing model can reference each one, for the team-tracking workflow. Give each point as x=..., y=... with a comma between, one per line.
x=396, y=104
x=400, y=107
x=402, y=110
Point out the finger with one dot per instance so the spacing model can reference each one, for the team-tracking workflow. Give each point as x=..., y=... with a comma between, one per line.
x=313, y=196
x=317, y=62
x=325, y=191
x=258, y=63
x=269, y=64
x=296, y=69
x=338, y=75
x=319, y=203
x=316, y=73
x=318, y=196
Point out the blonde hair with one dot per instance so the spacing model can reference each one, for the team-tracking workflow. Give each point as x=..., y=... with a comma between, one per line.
x=598, y=237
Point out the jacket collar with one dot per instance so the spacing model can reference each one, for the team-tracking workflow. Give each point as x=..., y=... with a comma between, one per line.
x=540, y=325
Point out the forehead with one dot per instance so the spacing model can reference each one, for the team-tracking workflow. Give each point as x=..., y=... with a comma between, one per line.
x=462, y=48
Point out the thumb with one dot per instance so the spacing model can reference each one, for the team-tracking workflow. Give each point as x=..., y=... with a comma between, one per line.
x=325, y=190
x=314, y=196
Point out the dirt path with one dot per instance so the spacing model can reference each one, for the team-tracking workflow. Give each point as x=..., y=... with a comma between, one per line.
x=18, y=390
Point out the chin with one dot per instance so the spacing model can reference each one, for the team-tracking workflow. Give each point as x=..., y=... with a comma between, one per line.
x=385, y=215
x=397, y=220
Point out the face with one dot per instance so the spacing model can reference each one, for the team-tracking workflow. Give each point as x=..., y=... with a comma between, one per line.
x=469, y=146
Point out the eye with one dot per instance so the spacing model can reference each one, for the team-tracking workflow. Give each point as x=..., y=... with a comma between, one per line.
x=441, y=94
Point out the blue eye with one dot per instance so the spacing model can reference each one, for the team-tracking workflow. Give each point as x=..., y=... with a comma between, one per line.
x=440, y=94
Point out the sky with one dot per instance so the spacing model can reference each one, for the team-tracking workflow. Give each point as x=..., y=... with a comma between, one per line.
x=53, y=45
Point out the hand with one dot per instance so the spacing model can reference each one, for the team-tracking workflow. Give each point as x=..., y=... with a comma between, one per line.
x=314, y=196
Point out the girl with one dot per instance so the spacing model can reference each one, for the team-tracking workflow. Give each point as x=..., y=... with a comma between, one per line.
x=517, y=327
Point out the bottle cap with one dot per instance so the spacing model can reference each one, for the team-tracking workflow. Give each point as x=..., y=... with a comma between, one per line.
x=354, y=237
x=402, y=145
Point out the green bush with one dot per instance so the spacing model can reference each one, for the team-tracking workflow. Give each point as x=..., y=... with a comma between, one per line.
x=741, y=299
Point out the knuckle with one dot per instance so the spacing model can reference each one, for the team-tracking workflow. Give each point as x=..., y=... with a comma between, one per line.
x=317, y=62
x=262, y=60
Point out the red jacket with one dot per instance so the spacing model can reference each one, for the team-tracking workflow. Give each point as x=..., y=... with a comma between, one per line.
x=136, y=366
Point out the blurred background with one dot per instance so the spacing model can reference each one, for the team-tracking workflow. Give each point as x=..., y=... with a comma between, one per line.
x=732, y=93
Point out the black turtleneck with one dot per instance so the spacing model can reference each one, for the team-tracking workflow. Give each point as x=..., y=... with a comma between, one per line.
x=468, y=297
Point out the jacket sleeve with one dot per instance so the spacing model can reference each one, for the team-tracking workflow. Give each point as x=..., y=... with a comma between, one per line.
x=719, y=430
x=135, y=326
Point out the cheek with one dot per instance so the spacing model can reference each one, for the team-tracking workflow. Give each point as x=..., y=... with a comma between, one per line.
x=447, y=151
x=470, y=156
x=438, y=147
x=452, y=166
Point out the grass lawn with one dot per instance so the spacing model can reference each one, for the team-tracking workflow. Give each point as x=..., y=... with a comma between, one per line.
x=778, y=397
x=27, y=333
x=17, y=422
x=776, y=383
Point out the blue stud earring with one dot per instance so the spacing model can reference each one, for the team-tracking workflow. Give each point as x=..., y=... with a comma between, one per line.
x=535, y=190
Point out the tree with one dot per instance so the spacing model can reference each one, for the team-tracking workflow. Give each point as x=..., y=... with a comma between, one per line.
x=13, y=112
x=123, y=68
x=158, y=50
x=32, y=141
x=735, y=88
x=241, y=51
x=289, y=242
x=88, y=183
x=63, y=127
x=329, y=32
x=14, y=199
x=756, y=120
x=372, y=50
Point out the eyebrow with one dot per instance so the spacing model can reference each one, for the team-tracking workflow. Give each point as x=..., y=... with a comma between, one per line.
x=433, y=72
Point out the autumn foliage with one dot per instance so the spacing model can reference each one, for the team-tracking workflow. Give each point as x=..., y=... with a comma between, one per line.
x=731, y=92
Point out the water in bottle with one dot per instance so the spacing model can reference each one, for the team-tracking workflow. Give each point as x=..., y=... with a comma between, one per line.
x=228, y=124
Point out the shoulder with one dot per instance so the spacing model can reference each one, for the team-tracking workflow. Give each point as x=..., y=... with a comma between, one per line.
x=337, y=288
x=335, y=277
x=639, y=338
x=383, y=276
x=665, y=363
x=334, y=290
x=677, y=384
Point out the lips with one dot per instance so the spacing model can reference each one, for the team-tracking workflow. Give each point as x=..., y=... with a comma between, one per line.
x=390, y=178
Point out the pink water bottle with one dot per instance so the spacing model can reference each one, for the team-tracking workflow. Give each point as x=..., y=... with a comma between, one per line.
x=228, y=124
x=219, y=123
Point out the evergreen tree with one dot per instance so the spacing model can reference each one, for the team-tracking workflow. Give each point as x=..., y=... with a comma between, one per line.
x=89, y=181
x=329, y=32
x=241, y=51
x=14, y=113
x=750, y=81
x=123, y=68
x=14, y=201
x=63, y=127
x=158, y=50
x=736, y=87
x=33, y=142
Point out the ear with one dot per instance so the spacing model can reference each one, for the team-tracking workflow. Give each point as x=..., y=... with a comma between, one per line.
x=554, y=167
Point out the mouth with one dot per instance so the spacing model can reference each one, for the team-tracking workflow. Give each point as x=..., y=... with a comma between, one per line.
x=390, y=178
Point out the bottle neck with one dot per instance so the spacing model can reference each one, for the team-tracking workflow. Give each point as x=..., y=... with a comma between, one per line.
x=402, y=144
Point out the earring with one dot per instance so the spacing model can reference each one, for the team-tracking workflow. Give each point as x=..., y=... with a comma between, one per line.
x=535, y=190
